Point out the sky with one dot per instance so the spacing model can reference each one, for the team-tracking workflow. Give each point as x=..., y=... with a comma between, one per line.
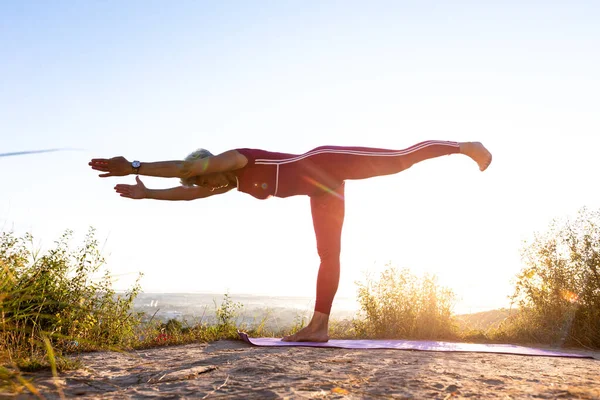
x=153, y=81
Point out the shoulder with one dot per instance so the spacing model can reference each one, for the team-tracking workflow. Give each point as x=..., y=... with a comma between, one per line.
x=248, y=157
x=245, y=156
x=229, y=161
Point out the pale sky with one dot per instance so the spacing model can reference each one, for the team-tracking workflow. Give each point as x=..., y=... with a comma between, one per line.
x=156, y=80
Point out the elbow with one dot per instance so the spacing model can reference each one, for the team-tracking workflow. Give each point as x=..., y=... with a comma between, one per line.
x=194, y=196
x=189, y=197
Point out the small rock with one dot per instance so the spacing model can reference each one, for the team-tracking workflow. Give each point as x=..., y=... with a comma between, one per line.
x=451, y=388
x=494, y=382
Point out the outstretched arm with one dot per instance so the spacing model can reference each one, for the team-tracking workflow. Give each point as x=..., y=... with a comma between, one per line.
x=120, y=166
x=140, y=191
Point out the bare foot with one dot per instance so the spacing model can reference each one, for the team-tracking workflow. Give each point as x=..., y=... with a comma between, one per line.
x=478, y=153
x=308, y=334
x=315, y=331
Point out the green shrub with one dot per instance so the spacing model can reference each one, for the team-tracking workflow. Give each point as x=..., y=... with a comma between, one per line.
x=55, y=295
x=173, y=326
x=227, y=314
x=400, y=305
x=558, y=290
x=173, y=332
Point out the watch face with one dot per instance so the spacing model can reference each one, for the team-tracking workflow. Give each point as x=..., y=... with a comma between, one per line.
x=135, y=164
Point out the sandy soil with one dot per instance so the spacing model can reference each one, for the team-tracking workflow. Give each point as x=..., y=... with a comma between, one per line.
x=232, y=369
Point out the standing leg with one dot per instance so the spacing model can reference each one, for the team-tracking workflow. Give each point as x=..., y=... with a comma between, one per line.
x=328, y=219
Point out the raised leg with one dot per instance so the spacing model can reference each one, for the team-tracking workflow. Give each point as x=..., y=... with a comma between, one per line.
x=341, y=163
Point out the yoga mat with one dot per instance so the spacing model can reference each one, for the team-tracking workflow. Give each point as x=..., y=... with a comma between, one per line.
x=413, y=345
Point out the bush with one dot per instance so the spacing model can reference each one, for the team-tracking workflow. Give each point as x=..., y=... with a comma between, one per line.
x=400, y=305
x=227, y=314
x=173, y=332
x=54, y=296
x=558, y=290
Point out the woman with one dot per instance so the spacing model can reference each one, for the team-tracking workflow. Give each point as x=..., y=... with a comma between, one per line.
x=319, y=174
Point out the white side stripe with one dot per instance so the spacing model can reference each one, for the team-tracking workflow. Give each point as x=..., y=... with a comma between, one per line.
x=276, y=181
x=409, y=150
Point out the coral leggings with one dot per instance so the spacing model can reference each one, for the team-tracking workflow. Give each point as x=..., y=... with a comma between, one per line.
x=328, y=208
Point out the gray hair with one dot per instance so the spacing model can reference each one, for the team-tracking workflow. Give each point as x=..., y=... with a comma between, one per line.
x=196, y=155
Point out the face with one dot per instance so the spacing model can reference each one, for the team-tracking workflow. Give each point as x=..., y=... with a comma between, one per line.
x=212, y=181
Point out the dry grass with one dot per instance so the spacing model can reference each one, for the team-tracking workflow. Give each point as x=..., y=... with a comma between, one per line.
x=51, y=308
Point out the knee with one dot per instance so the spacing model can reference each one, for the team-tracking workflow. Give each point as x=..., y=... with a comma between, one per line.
x=330, y=254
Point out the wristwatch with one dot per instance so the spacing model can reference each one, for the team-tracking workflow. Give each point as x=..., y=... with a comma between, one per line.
x=136, y=166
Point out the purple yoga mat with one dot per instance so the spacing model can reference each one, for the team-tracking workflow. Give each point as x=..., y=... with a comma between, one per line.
x=413, y=345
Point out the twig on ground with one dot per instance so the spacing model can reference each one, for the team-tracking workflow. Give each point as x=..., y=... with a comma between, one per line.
x=217, y=389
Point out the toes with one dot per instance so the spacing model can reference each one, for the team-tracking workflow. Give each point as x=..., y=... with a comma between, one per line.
x=485, y=165
x=289, y=338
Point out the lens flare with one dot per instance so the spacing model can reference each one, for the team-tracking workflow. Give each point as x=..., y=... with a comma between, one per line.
x=569, y=296
x=323, y=187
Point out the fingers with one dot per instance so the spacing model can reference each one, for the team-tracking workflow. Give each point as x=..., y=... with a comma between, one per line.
x=123, y=188
x=98, y=161
x=126, y=191
x=116, y=166
x=100, y=164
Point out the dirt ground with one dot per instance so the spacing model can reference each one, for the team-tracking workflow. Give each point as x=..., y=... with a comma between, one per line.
x=233, y=369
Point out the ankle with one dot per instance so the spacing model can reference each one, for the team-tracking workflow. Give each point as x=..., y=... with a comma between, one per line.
x=464, y=147
x=319, y=321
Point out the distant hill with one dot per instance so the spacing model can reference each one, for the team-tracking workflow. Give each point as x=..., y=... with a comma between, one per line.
x=483, y=320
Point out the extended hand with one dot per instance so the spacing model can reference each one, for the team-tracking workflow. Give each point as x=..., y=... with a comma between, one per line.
x=137, y=191
x=116, y=166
